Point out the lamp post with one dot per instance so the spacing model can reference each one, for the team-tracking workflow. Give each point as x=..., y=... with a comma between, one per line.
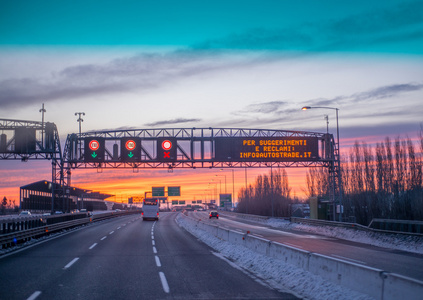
x=214, y=190
x=338, y=158
x=225, y=181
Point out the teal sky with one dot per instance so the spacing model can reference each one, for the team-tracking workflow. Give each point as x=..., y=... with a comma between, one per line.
x=358, y=26
x=238, y=64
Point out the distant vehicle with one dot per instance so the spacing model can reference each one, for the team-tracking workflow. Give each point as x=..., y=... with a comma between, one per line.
x=46, y=214
x=25, y=213
x=83, y=210
x=58, y=212
x=214, y=214
x=150, y=209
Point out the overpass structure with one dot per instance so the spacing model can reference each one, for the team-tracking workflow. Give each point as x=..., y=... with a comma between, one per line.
x=168, y=148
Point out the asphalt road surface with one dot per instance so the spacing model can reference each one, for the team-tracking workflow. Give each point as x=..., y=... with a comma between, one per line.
x=127, y=258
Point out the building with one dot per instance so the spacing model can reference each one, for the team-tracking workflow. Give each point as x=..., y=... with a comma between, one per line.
x=37, y=196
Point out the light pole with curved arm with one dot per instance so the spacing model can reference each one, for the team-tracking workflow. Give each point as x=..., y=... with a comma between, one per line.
x=338, y=158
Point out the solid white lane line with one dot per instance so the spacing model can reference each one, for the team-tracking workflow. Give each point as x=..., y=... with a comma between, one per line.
x=157, y=261
x=349, y=259
x=103, y=238
x=71, y=263
x=164, y=282
x=34, y=295
x=111, y=232
x=93, y=245
x=154, y=250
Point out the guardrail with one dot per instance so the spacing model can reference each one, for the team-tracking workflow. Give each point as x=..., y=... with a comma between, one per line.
x=415, y=227
x=22, y=229
x=377, y=283
x=376, y=225
x=383, y=229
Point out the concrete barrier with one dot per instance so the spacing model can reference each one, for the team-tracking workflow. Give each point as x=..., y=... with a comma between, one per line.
x=290, y=255
x=374, y=282
x=353, y=276
x=257, y=244
x=400, y=287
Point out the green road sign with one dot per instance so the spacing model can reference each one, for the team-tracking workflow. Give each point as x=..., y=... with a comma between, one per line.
x=158, y=191
x=174, y=191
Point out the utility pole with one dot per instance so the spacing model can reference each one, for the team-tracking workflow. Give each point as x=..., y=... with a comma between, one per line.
x=42, y=111
x=80, y=120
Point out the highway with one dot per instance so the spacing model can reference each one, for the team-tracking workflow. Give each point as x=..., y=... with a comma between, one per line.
x=395, y=261
x=126, y=258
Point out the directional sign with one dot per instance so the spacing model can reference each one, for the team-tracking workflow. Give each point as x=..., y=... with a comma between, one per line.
x=94, y=149
x=130, y=149
x=225, y=200
x=174, y=191
x=166, y=149
x=158, y=191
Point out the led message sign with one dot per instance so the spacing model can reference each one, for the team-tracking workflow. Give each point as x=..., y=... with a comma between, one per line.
x=263, y=149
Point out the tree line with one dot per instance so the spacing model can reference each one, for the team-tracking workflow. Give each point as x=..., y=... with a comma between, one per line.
x=7, y=206
x=380, y=181
x=269, y=195
x=384, y=181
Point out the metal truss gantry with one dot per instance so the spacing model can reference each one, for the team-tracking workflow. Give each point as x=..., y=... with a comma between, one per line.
x=195, y=149
x=32, y=140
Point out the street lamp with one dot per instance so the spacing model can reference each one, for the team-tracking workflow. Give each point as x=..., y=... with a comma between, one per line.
x=338, y=158
x=225, y=181
x=215, y=189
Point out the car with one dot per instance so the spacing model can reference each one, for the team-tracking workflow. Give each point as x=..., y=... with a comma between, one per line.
x=214, y=214
x=25, y=213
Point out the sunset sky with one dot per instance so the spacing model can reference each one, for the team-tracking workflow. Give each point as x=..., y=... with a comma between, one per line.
x=241, y=64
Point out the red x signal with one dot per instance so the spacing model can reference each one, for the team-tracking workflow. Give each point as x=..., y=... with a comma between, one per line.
x=166, y=154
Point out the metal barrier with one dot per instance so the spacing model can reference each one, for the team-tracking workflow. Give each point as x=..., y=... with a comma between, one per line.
x=397, y=225
x=376, y=225
x=19, y=230
x=396, y=230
